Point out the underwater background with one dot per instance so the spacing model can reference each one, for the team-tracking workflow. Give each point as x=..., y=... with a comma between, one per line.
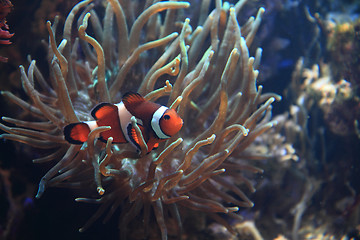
x=310, y=184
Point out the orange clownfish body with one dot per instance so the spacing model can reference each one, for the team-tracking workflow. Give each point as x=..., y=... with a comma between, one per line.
x=157, y=123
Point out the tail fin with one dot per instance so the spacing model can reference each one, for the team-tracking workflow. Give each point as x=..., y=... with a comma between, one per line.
x=76, y=133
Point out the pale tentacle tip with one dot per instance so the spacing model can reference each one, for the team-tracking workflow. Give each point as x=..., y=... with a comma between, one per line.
x=211, y=138
x=211, y=53
x=246, y=132
x=233, y=209
x=168, y=85
x=100, y=190
x=234, y=51
x=271, y=100
x=275, y=123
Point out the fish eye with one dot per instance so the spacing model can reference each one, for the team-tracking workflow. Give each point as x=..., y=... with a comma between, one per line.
x=166, y=117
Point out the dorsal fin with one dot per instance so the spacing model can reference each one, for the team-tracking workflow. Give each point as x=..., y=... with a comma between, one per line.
x=132, y=99
x=103, y=109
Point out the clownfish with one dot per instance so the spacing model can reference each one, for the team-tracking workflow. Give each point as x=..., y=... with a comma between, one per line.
x=156, y=122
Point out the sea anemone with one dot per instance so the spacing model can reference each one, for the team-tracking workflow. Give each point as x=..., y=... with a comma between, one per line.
x=205, y=73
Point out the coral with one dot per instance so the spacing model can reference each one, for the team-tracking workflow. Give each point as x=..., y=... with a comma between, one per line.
x=5, y=8
x=333, y=81
x=343, y=46
x=317, y=125
x=337, y=99
x=205, y=72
